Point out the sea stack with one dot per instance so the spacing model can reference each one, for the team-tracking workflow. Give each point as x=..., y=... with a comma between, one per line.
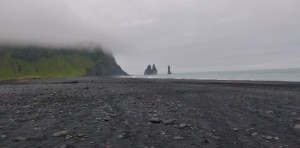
x=148, y=70
x=169, y=70
x=154, y=70
x=151, y=71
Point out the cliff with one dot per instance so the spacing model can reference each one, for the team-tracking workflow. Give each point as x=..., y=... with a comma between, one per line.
x=106, y=67
x=41, y=62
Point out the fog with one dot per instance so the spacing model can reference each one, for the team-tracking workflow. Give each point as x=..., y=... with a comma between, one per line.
x=190, y=35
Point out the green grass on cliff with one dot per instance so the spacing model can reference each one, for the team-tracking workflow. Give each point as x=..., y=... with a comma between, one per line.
x=42, y=63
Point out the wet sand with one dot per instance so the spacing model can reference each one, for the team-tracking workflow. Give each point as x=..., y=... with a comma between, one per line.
x=122, y=112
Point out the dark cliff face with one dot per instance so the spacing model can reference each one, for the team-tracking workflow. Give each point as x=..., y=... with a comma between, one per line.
x=106, y=67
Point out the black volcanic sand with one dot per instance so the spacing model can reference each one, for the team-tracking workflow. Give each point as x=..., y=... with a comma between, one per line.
x=123, y=112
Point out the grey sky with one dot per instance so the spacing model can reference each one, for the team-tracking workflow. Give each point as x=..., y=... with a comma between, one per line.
x=189, y=35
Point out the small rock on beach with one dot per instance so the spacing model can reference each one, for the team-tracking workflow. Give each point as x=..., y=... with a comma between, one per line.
x=20, y=139
x=60, y=133
x=182, y=125
x=169, y=121
x=269, y=137
x=155, y=120
x=297, y=126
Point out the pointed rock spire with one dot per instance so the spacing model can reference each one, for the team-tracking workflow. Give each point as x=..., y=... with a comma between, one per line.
x=148, y=70
x=169, y=70
x=154, y=70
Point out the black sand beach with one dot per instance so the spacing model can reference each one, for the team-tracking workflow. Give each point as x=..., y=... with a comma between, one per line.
x=122, y=112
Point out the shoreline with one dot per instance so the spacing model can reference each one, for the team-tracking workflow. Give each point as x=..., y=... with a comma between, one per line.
x=216, y=81
x=291, y=75
x=138, y=112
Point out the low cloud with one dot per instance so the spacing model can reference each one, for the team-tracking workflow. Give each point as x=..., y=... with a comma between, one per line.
x=191, y=35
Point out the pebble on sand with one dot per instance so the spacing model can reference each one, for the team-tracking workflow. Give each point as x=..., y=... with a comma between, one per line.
x=107, y=119
x=254, y=134
x=269, y=137
x=182, y=125
x=297, y=119
x=178, y=137
x=60, y=133
x=123, y=135
x=155, y=120
x=80, y=135
x=66, y=146
x=297, y=126
x=20, y=139
x=169, y=121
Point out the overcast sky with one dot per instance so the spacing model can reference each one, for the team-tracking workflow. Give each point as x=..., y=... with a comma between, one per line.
x=189, y=35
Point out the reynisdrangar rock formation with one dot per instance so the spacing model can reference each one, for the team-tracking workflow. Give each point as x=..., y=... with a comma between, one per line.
x=169, y=70
x=151, y=71
x=154, y=70
x=148, y=70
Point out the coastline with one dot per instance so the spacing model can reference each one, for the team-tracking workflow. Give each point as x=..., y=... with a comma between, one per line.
x=291, y=75
x=115, y=112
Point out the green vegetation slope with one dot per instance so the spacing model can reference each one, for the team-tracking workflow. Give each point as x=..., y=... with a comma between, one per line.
x=18, y=62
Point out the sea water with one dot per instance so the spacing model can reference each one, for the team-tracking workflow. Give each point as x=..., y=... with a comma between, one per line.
x=253, y=75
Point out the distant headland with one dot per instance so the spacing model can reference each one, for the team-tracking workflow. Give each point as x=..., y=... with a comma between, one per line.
x=42, y=62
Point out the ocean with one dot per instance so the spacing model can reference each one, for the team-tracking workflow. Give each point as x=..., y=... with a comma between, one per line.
x=292, y=75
